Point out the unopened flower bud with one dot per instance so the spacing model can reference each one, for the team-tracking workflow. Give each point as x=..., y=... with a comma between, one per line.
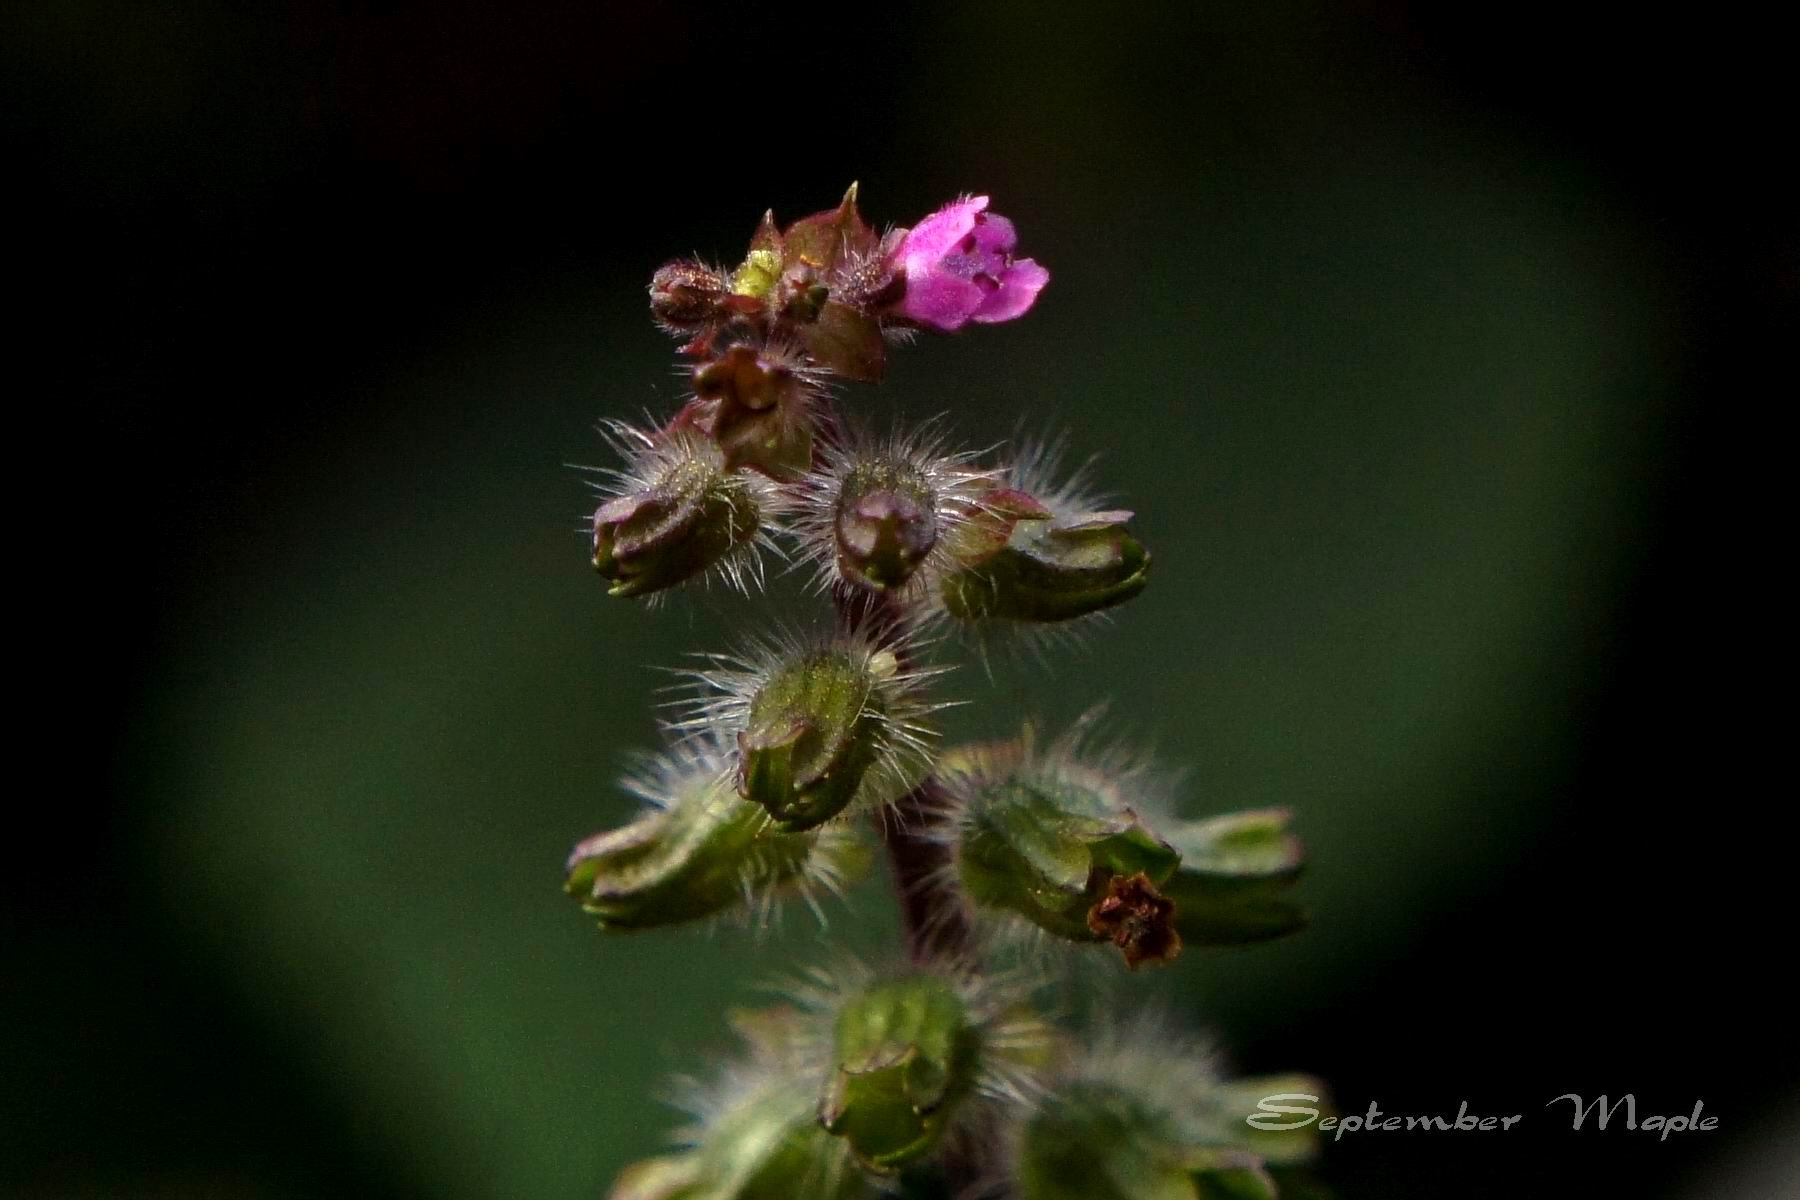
x=959, y=267
x=1057, y=842
x=1235, y=872
x=699, y=850
x=906, y=1055
x=756, y=277
x=819, y=724
x=679, y=510
x=686, y=295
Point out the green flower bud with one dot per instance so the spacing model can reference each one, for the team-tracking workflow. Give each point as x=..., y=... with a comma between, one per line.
x=762, y=1142
x=771, y=1148
x=1056, y=841
x=699, y=850
x=813, y=732
x=819, y=725
x=1141, y=1115
x=1235, y=870
x=1095, y=1141
x=1045, y=568
x=678, y=512
x=756, y=278
x=906, y=1055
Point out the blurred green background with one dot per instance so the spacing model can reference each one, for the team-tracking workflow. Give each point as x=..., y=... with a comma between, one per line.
x=1398, y=352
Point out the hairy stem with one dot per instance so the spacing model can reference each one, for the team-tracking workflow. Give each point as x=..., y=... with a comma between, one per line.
x=932, y=916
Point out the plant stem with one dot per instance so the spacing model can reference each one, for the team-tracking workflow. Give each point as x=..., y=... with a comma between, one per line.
x=932, y=916
x=933, y=919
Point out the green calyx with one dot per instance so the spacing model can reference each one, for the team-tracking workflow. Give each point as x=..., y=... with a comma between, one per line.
x=814, y=731
x=1094, y=1140
x=768, y=1146
x=906, y=1054
x=1053, y=846
x=1048, y=569
x=1235, y=873
x=701, y=855
x=688, y=519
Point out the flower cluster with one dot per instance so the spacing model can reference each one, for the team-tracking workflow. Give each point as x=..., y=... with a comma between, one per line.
x=940, y=1073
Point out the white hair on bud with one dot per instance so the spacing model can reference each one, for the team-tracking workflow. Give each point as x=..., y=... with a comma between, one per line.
x=767, y=1079
x=954, y=484
x=697, y=770
x=714, y=701
x=1123, y=779
x=1017, y=1041
x=1034, y=465
x=650, y=462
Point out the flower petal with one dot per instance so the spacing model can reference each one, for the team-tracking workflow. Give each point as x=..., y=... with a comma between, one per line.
x=994, y=234
x=942, y=300
x=1018, y=291
x=938, y=234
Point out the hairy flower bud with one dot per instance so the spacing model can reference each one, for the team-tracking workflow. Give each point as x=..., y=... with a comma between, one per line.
x=876, y=515
x=1140, y=1114
x=677, y=511
x=1041, y=551
x=1047, y=837
x=686, y=295
x=820, y=724
x=756, y=1135
x=905, y=1056
x=1045, y=568
x=1234, y=872
x=883, y=535
x=816, y=284
x=699, y=850
x=919, y=1056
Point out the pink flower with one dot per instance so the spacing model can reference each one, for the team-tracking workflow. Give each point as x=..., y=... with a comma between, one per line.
x=958, y=266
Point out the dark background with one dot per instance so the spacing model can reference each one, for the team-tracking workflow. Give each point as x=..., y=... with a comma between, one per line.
x=1434, y=347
